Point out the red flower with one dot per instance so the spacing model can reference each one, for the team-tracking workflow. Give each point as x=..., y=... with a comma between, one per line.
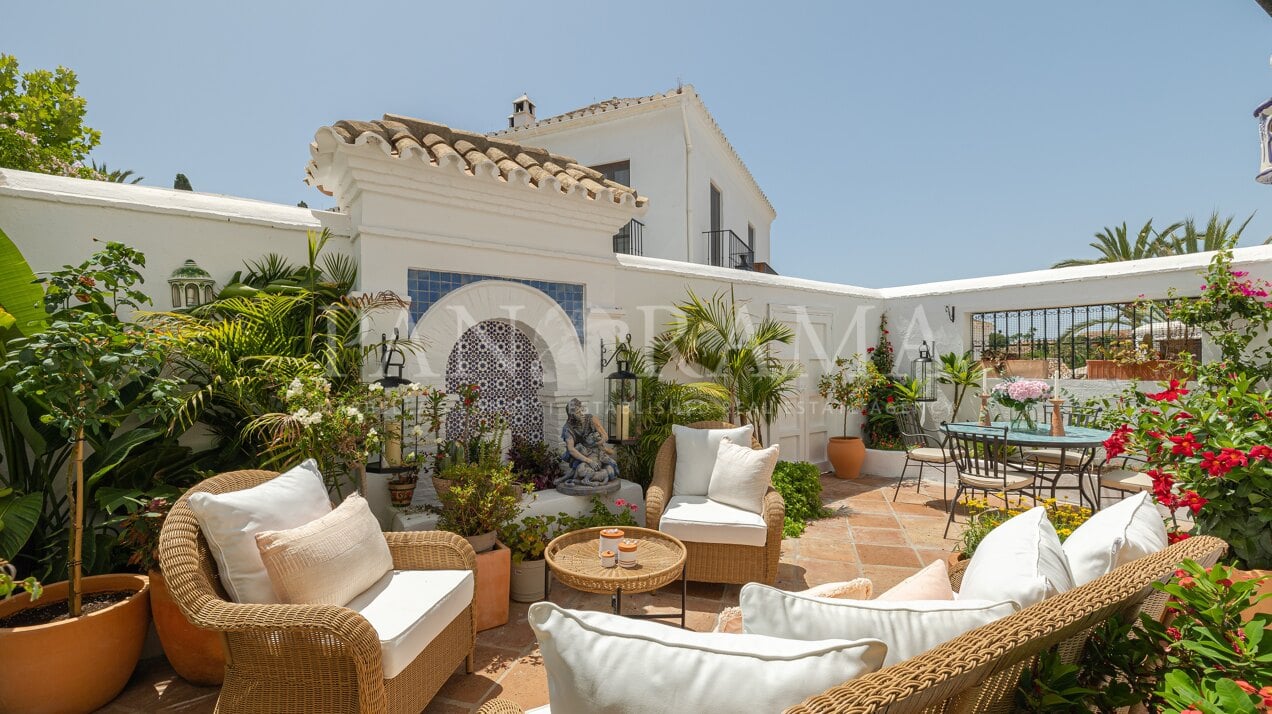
x=1116, y=443
x=1193, y=501
x=1175, y=391
x=1185, y=445
x=1221, y=463
x=1260, y=451
x=1224, y=582
x=891, y=399
x=1163, y=488
x=1174, y=537
x=1187, y=583
x=869, y=350
x=1174, y=633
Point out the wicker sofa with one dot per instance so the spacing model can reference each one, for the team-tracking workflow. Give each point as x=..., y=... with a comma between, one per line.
x=978, y=671
x=312, y=658
x=718, y=562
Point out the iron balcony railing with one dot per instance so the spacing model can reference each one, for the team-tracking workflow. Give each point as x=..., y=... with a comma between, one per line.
x=631, y=238
x=726, y=249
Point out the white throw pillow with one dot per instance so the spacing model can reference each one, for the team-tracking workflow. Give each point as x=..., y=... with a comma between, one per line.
x=1114, y=536
x=230, y=522
x=696, y=451
x=741, y=475
x=907, y=627
x=597, y=662
x=329, y=560
x=1020, y=560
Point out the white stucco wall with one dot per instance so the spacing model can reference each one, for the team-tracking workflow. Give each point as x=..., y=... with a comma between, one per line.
x=436, y=226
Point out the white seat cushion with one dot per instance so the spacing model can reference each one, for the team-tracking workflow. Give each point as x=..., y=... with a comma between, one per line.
x=1114, y=536
x=1013, y=481
x=696, y=451
x=598, y=662
x=698, y=519
x=907, y=627
x=230, y=522
x=742, y=475
x=409, y=608
x=930, y=454
x=1126, y=480
x=1053, y=456
x=1020, y=560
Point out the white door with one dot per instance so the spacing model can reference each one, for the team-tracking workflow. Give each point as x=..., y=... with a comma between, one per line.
x=802, y=431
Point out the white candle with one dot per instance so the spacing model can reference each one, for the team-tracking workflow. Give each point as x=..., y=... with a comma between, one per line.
x=624, y=419
x=984, y=379
x=1055, y=385
x=393, y=445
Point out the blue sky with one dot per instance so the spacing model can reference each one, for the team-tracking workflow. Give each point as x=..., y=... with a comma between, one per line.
x=899, y=142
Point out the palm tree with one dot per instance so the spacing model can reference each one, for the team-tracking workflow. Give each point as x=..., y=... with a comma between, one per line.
x=1215, y=237
x=715, y=336
x=1114, y=245
x=115, y=176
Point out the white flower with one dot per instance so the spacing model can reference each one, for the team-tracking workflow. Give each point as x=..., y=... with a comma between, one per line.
x=372, y=432
x=417, y=430
x=353, y=413
x=415, y=387
x=375, y=387
x=306, y=417
x=410, y=456
x=294, y=389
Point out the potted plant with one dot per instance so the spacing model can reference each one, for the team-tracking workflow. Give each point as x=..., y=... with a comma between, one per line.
x=983, y=518
x=963, y=373
x=89, y=371
x=848, y=388
x=526, y=539
x=198, y=656
x=535, y=464
x=481, y=499
x=407, y=416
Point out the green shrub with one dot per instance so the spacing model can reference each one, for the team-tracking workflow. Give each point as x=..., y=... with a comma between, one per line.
x=799, y=482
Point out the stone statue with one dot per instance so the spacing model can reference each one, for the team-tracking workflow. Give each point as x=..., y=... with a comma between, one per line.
x=588, y=461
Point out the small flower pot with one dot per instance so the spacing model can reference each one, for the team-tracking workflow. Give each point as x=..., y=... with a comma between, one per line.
x=401, y=494
x=527, y=580
x=846, y=454
x=494, y=570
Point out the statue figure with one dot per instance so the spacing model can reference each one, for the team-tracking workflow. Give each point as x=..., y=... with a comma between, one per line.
x=588, y=460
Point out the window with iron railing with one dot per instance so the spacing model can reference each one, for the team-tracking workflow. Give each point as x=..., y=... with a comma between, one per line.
x=630, y=239
x=1083, y=341
x=727, y=250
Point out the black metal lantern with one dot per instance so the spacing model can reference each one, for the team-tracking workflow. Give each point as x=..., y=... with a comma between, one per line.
x=923, y=371
x=622, y=390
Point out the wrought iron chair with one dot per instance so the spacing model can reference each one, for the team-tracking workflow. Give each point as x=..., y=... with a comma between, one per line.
x=979, y=460
x=921, y=448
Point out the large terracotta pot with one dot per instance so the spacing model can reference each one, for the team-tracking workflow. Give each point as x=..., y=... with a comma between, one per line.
x=494, y=567
x=481, y=542
x=74, y=665
x=1265, y=607
x=197, y=655
x=527, y=580
x=846, y=454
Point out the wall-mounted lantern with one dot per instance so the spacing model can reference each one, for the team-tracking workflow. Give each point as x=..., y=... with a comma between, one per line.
x=191, y=285
x=622, y=389
x=923, y=370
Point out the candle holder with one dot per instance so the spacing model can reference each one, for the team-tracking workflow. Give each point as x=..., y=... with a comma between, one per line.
x=984, y=410
x=1057, y=421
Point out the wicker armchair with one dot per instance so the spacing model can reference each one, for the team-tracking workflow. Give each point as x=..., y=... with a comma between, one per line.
x=289, y=658
x=978, y=670
x=718, y=562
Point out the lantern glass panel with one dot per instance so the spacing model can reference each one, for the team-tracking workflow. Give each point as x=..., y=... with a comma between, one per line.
x=923, y=371
x=622, y=389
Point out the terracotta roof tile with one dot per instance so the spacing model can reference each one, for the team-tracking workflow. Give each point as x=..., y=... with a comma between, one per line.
x=481, y=155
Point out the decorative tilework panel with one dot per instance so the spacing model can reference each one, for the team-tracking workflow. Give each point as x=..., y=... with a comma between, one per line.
x=426, y=287
x=503, y=363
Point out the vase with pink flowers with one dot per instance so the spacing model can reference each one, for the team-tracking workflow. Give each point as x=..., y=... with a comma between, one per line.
x=1020, y=396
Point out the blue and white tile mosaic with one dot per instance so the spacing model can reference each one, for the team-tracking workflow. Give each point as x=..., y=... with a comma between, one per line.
x=426, y=287
x=503, y=363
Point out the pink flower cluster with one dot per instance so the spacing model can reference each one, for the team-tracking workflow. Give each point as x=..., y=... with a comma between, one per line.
x=1024, y=390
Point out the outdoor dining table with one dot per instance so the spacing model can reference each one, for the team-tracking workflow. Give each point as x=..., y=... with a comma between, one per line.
x=1077, y=438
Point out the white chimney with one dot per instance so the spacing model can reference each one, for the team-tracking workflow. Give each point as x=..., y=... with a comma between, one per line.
x=522, y=112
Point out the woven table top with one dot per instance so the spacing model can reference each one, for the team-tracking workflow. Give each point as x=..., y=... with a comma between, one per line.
x=574, y=560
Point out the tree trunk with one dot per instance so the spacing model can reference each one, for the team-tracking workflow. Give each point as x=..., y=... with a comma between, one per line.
x=75, y=492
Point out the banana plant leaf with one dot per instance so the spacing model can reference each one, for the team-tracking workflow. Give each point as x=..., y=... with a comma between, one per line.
x=20, y=295
x=18, y=516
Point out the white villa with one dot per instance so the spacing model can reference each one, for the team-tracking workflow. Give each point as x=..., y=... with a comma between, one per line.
x=516, y=238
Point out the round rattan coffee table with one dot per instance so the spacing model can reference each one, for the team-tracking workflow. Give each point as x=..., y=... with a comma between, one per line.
x=574, y=560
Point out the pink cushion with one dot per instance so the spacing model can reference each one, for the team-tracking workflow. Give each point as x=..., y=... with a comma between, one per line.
x=930, y=583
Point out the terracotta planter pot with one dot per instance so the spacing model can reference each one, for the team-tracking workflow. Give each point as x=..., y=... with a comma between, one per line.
x=527, y=580
x=442, y=485
x=494, y=569
x=1265, y=607
x=955, y=558
x=197, y=655
x=1156, y=371
x=846, y=454
x=75, y=665
x=401, y=494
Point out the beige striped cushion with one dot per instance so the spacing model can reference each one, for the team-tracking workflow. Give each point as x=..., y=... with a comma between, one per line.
x=327, y=561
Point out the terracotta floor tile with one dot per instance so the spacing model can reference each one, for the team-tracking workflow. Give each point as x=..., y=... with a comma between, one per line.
x=817, y=572
x=884, y=577
x=873, y=520
x=927, y=509
x=526, y=683
x=492, y=662
x=879, y=536
x=828, y=549
x=930, y=555
x=887, y=555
